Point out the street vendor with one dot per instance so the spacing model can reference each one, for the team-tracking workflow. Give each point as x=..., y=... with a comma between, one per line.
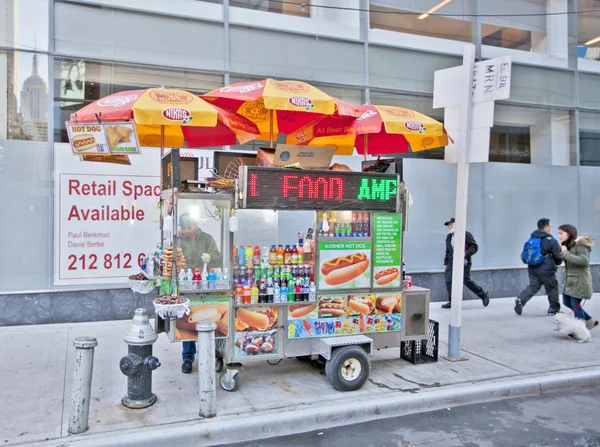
x=199, y=248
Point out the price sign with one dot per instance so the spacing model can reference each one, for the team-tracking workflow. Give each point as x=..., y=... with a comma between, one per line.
x=274, y=188
x=387, y=244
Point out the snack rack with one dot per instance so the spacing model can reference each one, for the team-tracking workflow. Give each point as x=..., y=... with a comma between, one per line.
x=342, y=338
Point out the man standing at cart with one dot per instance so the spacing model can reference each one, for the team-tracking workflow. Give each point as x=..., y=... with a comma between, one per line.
x=470, y=249
x=199, y=248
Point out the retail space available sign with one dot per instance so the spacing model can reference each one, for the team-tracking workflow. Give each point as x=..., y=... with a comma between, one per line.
x=106, y=215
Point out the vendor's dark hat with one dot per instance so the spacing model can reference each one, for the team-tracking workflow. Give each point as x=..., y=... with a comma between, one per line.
x=452, y=220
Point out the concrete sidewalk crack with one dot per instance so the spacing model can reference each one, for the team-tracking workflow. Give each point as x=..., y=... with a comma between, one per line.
x=493, y=361
x=422, y=385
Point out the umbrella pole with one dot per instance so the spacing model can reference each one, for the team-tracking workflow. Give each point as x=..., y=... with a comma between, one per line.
x=162, y=152
x=366, y=146
x=271, y=128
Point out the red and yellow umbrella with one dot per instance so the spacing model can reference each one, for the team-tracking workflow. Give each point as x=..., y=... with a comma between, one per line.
x=170, y=118
x=378, y=130
x=278, y=106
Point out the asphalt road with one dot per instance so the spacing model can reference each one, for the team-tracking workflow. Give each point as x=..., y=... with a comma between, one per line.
x=559, y=420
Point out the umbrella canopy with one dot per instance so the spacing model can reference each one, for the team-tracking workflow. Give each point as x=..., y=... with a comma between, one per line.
x=277, y=106
x=381, y=129
x=183, y=116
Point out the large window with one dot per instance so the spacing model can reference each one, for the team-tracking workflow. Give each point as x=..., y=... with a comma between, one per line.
x=410, y=16
x=589, y=139
x=589, y=30
x=24, y=24
x=80, y=82
x=525, y=31
x=510, y=144
x=300, y=8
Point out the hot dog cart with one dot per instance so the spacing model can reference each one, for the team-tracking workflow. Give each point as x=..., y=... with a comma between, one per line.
x=310, y=265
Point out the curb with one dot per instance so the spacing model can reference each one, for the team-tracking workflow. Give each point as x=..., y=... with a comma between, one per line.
x=237, y=429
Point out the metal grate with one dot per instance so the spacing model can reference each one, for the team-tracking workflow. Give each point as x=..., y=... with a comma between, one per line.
x=422, y=351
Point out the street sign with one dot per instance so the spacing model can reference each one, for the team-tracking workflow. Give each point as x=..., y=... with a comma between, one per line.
x=491, y=79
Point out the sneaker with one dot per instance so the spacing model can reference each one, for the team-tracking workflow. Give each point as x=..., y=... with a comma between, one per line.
x=448, y=305
x=486, y=298
x=186, y=368
x=552, y=312
x=518, y=306
x=591, y=323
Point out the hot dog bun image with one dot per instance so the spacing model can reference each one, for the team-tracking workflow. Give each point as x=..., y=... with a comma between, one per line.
x=386, y=276
x=363, y=306
x=332, y=307
x=258, y=318
x=344, y=269
x=301, y=310
x=83, y=142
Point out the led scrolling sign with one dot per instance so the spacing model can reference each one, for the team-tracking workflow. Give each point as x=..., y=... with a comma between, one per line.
x=276, y=188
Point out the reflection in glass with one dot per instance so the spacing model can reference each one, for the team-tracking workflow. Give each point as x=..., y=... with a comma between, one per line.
x=588, y=25
x=299, y=8
x=78, y=83
x=24, y=104
x=24, y=24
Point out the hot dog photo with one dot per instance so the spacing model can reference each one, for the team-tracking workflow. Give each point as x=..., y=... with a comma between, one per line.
x=217, y=312
x=261, y=318
x=361, y=305
x=386, y=277
x=302, y=311
x=345, y=265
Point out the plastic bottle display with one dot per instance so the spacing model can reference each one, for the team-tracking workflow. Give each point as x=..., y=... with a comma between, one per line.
x=249, y=255
x=254, y=294
x=241, y=256
x=246, y=295
x=273, y=255
x=239, y=295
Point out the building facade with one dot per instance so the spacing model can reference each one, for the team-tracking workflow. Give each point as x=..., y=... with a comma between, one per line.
x=56, y=56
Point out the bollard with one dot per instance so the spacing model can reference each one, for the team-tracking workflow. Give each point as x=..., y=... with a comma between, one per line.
x=82, y=384
x=206, y=368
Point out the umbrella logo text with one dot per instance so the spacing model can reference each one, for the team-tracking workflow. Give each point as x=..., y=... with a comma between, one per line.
x=176, y=114
x=366, y=114
x=301, y=102
x=290, y=86
x=244, y=88
x=171, y=97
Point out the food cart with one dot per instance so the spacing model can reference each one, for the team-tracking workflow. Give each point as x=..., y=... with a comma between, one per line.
x=335, y=292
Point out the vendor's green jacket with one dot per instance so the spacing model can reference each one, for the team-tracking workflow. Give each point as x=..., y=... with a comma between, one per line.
x=194, y=249
x=577, y=277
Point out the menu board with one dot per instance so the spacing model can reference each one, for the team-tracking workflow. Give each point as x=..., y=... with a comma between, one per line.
x=387, y=250
x=116, y=138
x=344, y=265
x=335, y=315
x=256, y=331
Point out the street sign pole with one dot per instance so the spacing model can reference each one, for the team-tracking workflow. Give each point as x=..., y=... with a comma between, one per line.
x=462, y=189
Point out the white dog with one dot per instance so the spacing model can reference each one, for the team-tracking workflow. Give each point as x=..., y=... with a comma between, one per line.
x=572, y=327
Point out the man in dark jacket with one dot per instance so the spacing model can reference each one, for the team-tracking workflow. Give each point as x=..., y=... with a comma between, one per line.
x=543, y=274
x=470, y=249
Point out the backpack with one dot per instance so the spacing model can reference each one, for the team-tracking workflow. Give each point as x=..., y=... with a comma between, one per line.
x=532, y=252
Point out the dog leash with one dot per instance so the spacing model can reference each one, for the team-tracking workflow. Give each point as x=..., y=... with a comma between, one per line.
x=576, y=307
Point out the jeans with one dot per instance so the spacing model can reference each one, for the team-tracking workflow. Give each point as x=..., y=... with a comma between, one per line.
x=189, y=350
x=575, y=304
x=550, y=284
x=468, y=282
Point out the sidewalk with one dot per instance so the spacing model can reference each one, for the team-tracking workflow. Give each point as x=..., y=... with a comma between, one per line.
x=36, y=364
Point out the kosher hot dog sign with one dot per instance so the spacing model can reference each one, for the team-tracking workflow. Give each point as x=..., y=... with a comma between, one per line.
x=344, y=265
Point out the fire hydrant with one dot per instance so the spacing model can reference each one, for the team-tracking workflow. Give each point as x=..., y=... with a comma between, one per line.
x=139, y=363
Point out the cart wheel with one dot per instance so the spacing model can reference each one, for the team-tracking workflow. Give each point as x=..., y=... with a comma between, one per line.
x=219, y=364
x=228, y=382
x=349, y=368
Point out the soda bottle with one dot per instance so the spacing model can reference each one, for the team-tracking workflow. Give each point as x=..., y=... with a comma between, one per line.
x=273, y=255
x=366, y=224
x=270, y=291
x=354, y=222
x=241, y=256
x=287, y=255
x=236, y=274
x=249, y=273
x=294, y=257
x=235, y=255
x=246, y=295
x=254, y=294
x=270, y=272
x=298, y=290
x=276, y=293
x=262, y=291
x=332, y=227
x=249, y=253
x=238, y=295
x=256, y=274
x=359, y=225
x=305, y=291
x=276, y=273
x=256, y=255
